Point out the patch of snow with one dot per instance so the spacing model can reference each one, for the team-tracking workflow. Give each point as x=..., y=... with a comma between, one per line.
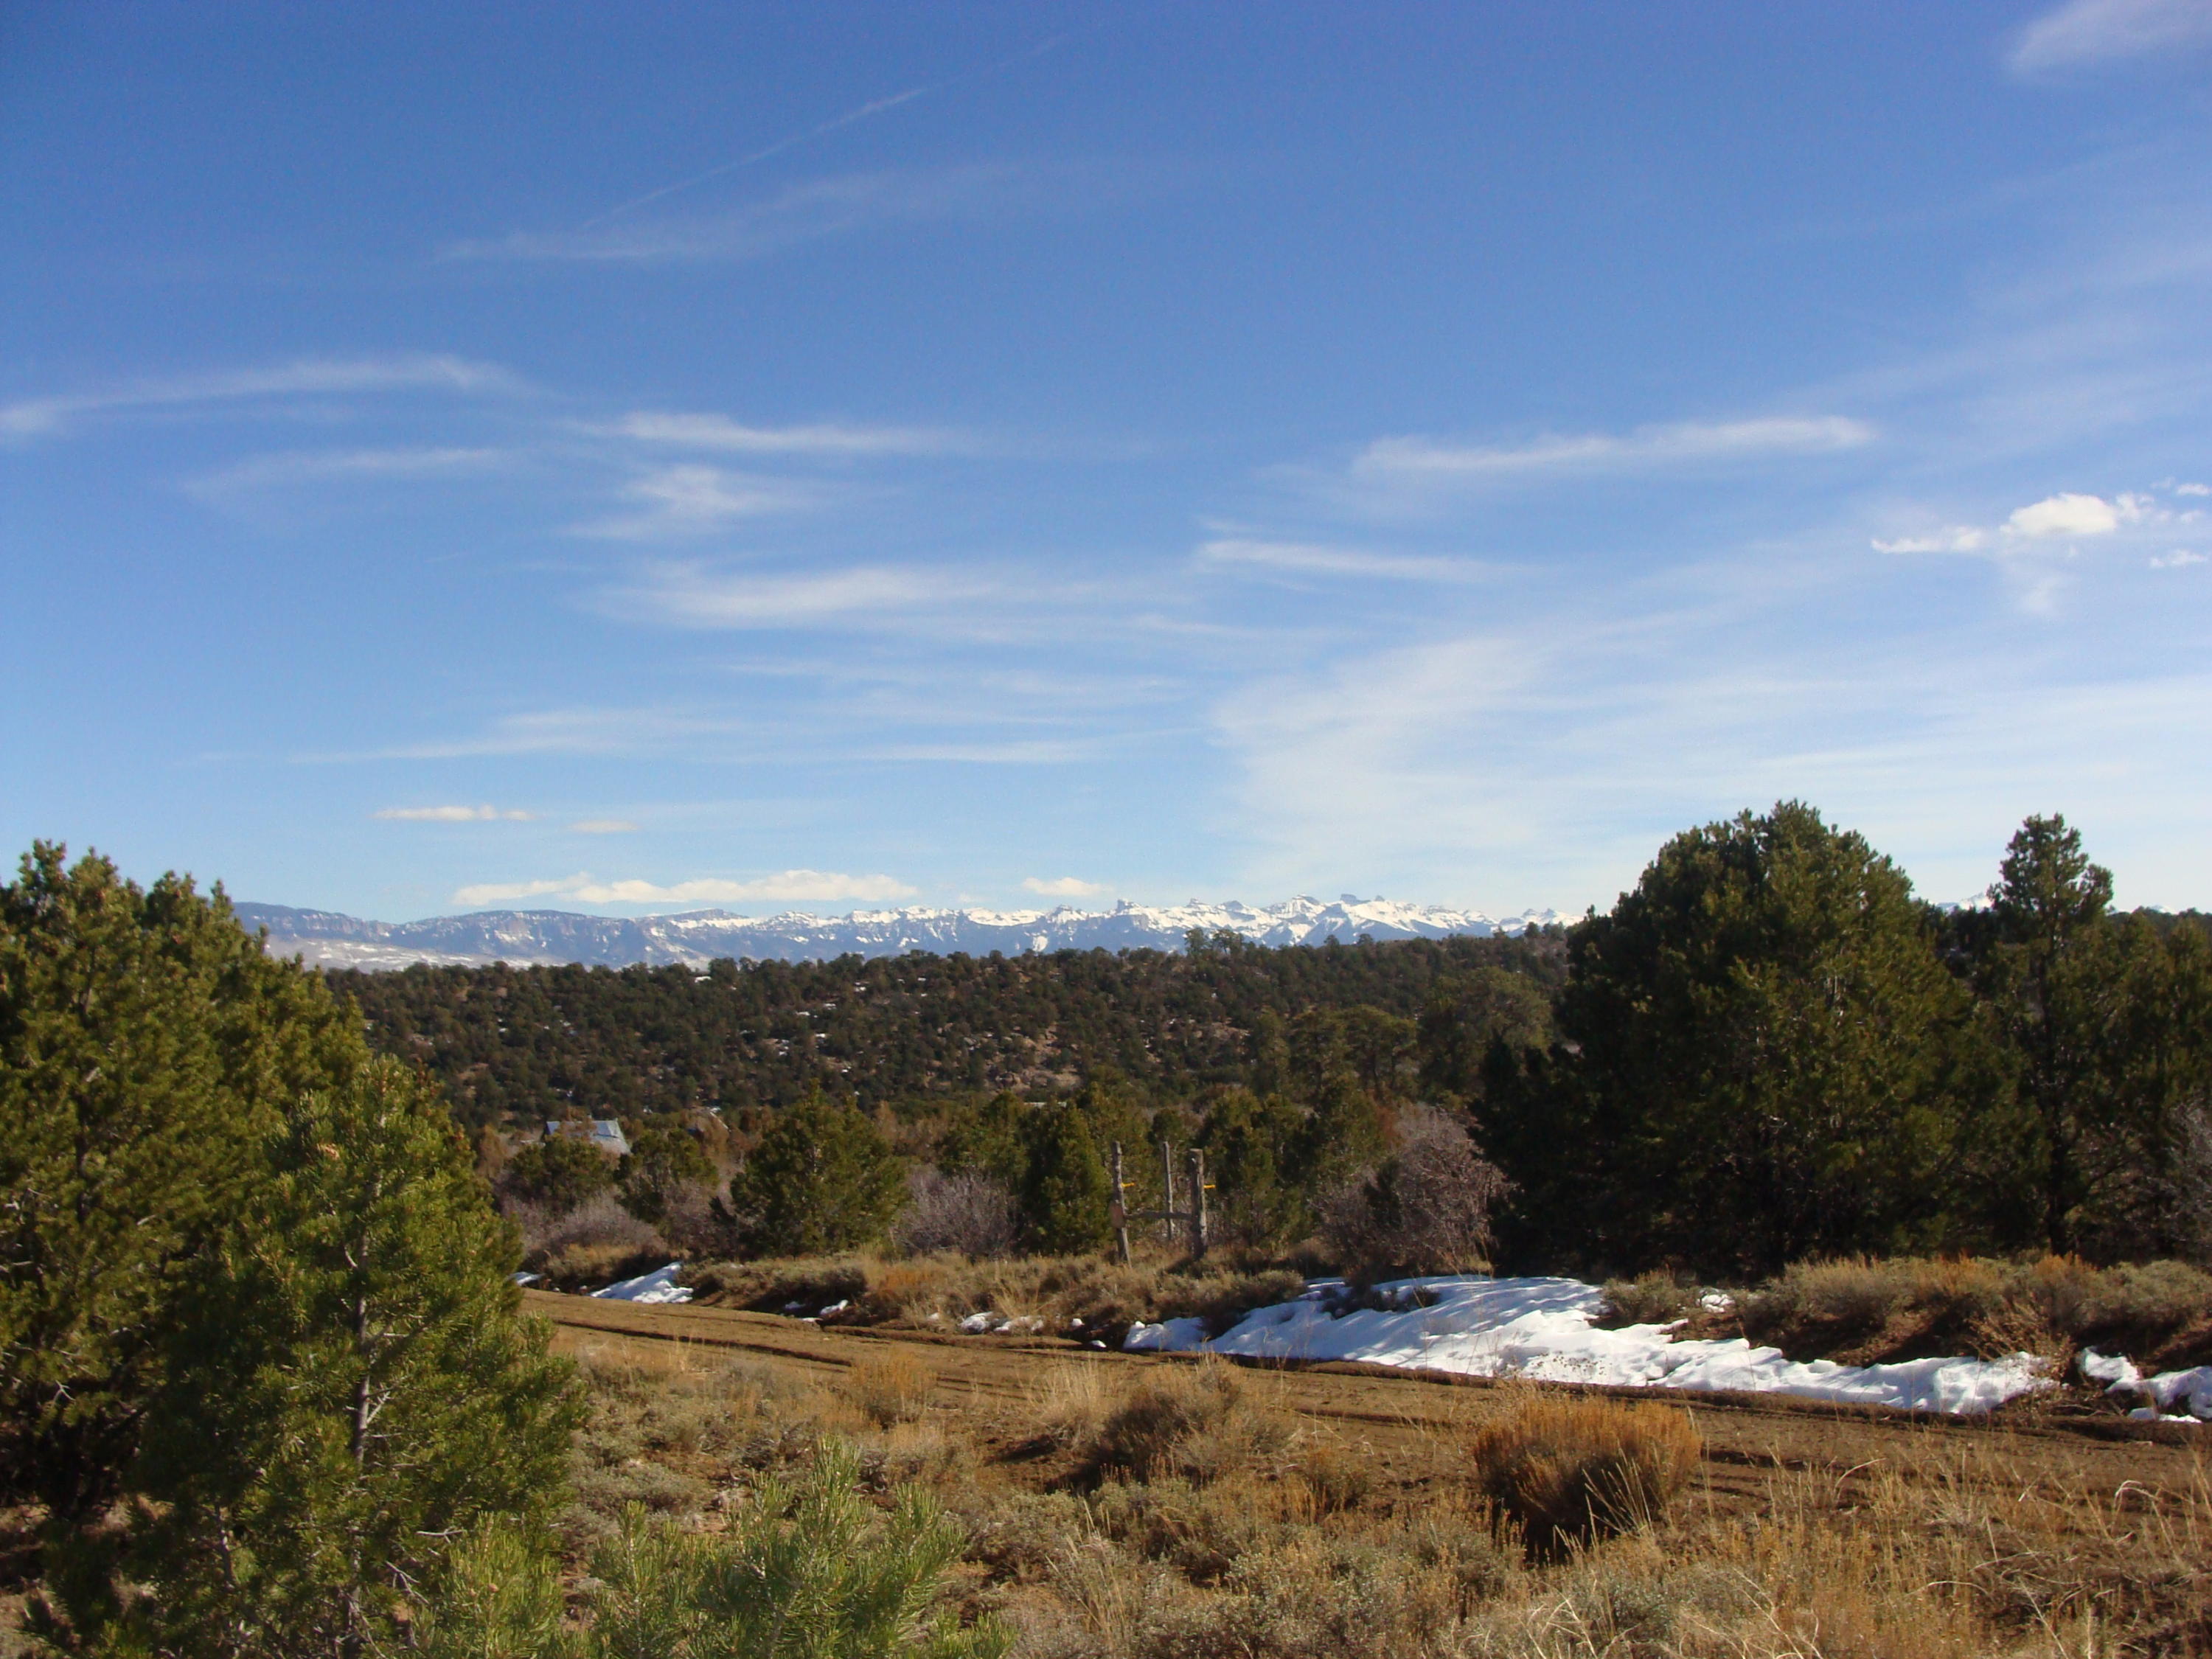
x=1174, y=1336
x=1716, y=1301
x=659, y=1285
x=1541, y=1329
x=2189, y=1390
x=976, y=1324
x=524, y=1278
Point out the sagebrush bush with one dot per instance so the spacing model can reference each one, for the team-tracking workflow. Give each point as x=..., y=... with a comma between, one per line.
x=1195, y=1421
x=1571, y=1470
x=1652, y=1298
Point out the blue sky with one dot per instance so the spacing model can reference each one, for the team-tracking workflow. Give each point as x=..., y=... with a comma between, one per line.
x=646, y=457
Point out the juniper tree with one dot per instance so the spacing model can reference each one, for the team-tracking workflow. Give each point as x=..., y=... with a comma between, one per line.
x=822, y=1178
x=1065, y=1190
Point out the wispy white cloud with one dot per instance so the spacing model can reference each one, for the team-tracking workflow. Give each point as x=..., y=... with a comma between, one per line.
x=303, y=467
x=679, y=502
x=2179, y=559
x=603, y=827
x=720, y=432
x=785, y=886
x=1686, y=442
x=2082, y=32
x=1310, y=559
x=304, y=377
x=803, y=213
x=1063, y=886
x=453, y=815
x=2192, y=489
x=691, y=596
x=1952, y=538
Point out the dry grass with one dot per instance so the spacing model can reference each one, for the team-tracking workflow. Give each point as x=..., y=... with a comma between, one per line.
x=1177, y=1511
x=891, y=1386
x=1569, y=1470
x=1863, y=1310
x=1081, y=1296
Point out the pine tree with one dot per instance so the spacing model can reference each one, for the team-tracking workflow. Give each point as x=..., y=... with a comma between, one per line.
x=1764, y=1059
x=660, y=1165
x=354, y=1389
x=1065, y=1191
x=147, y=1045
x=822, y=1179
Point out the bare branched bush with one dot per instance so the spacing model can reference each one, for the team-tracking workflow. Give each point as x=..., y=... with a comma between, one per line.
x=1426, y=1210
x=1573, y=1470
x=595, y=1241
x=967, y=1214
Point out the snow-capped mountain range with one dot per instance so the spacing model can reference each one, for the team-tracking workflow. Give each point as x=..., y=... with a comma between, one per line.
x=328, y=940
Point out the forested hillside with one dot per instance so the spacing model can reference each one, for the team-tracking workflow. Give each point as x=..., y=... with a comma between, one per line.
x=638, y=1041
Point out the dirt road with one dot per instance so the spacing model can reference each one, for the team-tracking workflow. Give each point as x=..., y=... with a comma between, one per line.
x=1406, y=1426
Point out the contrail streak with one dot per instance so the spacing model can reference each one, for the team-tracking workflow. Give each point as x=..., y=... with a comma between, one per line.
x=846, y=119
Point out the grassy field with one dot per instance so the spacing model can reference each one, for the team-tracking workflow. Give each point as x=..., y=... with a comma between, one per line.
x=1139, y=1505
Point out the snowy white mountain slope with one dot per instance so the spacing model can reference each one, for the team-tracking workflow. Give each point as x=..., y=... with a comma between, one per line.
x=326, y=937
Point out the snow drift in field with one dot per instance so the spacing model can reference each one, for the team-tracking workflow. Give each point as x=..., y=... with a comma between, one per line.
x=659, y=1285
x=1540, y=1328
x=2190, y=1391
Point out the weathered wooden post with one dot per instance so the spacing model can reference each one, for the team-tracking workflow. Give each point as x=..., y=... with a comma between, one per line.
x=1197, y=1201
x=1167, y=1192
x=1121, y=1208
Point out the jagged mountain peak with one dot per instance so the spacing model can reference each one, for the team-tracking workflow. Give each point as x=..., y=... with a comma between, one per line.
x=697, y=936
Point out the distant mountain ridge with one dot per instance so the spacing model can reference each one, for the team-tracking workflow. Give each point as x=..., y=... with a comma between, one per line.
x=327, y=939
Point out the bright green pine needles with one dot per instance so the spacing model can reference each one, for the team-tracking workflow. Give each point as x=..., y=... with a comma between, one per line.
x=808, y=1571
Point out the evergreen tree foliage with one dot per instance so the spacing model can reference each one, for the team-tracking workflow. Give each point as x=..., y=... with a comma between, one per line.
x=2108, y=1025
x=807, y=1570
x=661, y=1163
x=1250, y=1145
x=822, y=1179
x=1065, y=1191
x=637, y=1042
x=1765, y=1059
x=988, y=1142
x=147, y=1046
x=352, y=1388
x=1467, y=1014
x=560, y=1172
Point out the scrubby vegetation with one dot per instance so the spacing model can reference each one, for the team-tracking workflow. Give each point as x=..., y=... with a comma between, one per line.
x=266, y=1388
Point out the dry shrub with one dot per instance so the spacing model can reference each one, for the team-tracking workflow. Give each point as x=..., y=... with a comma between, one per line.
x=1571, y=1470
x=1652, y=1298
x=964, y=1214
x=1193, y=1421
x=1426, y=1210
x=889, y=1387
x=597, y=1242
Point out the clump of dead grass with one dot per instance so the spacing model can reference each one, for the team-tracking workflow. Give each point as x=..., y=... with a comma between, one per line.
x=890, y=1386
x=1570, y=1470
x=1660, y=1297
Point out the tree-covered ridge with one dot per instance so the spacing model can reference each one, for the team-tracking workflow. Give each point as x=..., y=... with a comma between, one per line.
x=639, y=1041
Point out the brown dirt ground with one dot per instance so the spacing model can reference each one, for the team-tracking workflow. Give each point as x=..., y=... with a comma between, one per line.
x=1406, y=1426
